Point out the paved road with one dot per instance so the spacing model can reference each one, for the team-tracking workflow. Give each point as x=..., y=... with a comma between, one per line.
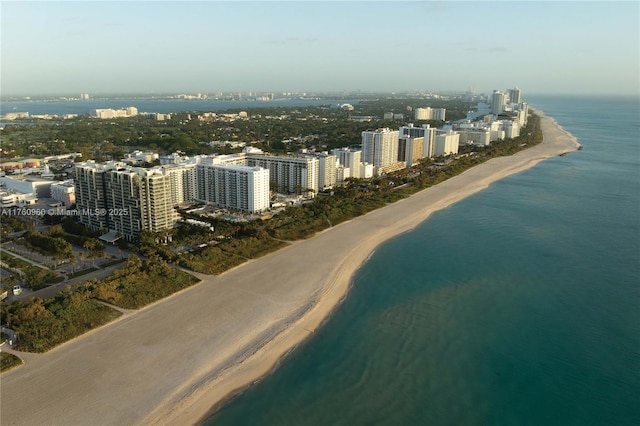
x=52, y=290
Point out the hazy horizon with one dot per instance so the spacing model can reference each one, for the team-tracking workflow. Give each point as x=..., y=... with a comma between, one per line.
x=147, y=48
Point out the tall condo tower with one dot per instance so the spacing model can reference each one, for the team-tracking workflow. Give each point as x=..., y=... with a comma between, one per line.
x=380, y=147
x=514, y=95
x=498, y=101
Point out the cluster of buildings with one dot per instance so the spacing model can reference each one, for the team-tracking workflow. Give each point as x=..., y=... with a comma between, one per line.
x=27, y=190
x=114, y=113
x=148, y=197
x=134, y=198
x=15, y=116
x=508, y=116
x=242, y=181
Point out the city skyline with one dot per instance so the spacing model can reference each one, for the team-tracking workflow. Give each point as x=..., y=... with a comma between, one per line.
x=162, y=47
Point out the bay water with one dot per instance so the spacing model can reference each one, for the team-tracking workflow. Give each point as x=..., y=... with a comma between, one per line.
x=84, y=107
x=519, y=305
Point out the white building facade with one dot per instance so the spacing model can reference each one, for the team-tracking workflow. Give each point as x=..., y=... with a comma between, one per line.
x=380, y=147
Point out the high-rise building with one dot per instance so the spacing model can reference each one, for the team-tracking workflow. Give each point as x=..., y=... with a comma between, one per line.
x=380, y=147
x=429, y=113
x=514, y=95
x=90, y=193
x=327, y=169
x=350, y=159
x=478, y=137
x=446, y=143
x=424, y=131
x=410, y=150
x=240, y=187
x=289, y=173
x=498, y=101
x=184, y=184
x=123, y=199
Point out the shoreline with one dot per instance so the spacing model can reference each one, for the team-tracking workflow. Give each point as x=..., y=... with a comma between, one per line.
x=235, y=328
x=340, y=280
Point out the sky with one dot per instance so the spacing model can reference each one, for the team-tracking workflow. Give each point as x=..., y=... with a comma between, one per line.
x=68, y=48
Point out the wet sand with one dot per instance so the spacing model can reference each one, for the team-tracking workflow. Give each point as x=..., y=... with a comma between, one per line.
x=170, y=363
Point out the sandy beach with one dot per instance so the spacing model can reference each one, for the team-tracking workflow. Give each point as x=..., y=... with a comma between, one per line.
x=171, y=362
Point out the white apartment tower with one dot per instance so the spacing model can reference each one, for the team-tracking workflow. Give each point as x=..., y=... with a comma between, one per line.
x=184, y=185
x=429, y=113
x=498, y=101
x=327, y=169
x=350, y=159
x=289, y=173
x=240, y=187
x=446, y=143
x=380, y=147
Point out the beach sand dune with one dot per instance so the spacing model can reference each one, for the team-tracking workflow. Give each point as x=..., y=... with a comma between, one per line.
x=171, y=362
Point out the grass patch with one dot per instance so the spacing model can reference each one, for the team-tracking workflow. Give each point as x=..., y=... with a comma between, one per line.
x=139, y=284
x=8, y=361
x=210, y=260
x=252, y=247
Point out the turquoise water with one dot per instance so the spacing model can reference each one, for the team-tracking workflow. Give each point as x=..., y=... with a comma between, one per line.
x=517, y=306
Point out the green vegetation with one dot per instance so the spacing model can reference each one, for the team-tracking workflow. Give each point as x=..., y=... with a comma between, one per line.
x=210, y=260
x=34, y=277
x=274, y=129
x=46, y=245
x=140, y=283
x=45, y=323
x=10, y=224
x=211, y=252
x=42, y=324
x=8, y=361
x=252, y=246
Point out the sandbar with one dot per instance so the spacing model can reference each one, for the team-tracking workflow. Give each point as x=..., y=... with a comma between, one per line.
x=171, y=362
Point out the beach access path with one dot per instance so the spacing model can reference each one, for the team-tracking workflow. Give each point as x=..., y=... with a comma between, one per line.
x=171, y=362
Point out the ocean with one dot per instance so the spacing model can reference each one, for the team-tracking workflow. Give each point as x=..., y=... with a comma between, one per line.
x=519, y=305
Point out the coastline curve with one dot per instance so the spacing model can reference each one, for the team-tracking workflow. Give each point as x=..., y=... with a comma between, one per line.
x=235, y=328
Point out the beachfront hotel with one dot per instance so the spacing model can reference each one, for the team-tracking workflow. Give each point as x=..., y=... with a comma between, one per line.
x=124, y=200
x=426, y=132
x=447, y=142
x=233, y=186
x=380, y=147
x=293, y=174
